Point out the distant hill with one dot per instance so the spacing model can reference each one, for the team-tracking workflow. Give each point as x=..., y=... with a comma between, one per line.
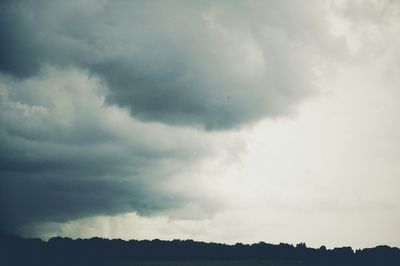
x=98, y=251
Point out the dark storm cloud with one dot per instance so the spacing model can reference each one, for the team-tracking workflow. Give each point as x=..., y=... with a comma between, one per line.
x=65, y=155
x=70, y=68
x=217, y=65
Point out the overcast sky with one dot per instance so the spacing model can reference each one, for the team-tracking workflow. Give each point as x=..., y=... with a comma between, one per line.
x=225, y=121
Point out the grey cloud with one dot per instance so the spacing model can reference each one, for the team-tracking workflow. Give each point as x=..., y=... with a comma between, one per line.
x=215, y=65
x=70, y=70
x=66, y=155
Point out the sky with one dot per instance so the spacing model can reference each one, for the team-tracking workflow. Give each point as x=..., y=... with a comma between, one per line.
x=222, y=121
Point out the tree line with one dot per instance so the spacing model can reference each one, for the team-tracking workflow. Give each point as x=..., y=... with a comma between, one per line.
x=99, y=251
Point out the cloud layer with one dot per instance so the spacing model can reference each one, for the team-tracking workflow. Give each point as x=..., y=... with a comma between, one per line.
x=214, y=65
x=65, y=154
x=103, y=104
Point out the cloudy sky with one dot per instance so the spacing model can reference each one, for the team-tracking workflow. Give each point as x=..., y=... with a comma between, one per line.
x=225, y=121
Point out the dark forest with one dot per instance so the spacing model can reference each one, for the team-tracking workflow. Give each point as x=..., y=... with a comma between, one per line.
x=100, y=251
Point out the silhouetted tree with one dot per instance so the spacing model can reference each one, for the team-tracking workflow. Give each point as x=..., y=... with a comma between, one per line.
x=100, y=251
